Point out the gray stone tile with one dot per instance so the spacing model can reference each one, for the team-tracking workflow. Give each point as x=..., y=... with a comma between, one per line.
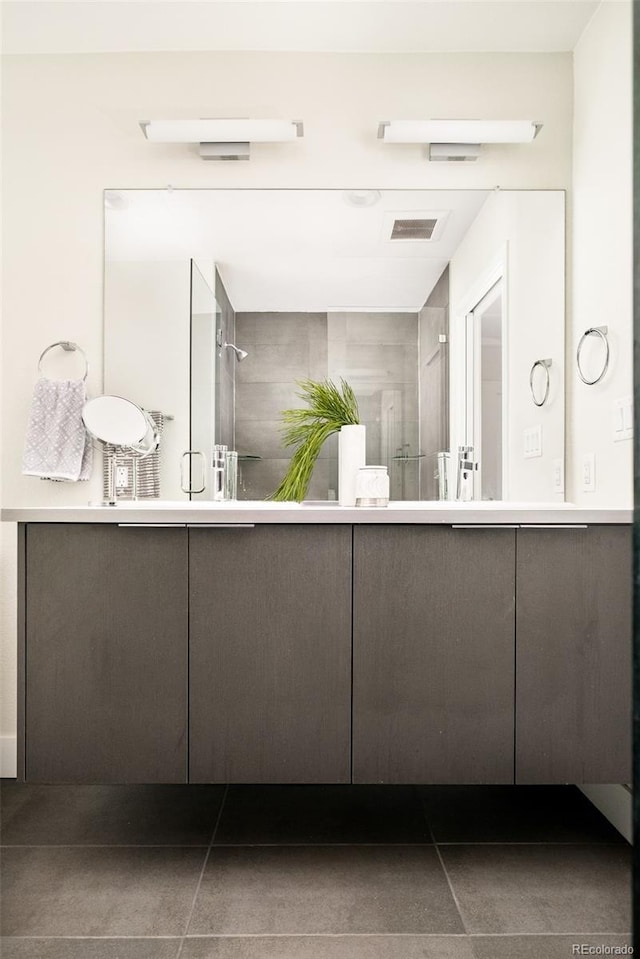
x=322, y=814
x=260, y=438
x=329, y=947
x=389, y=328
x=329, y=449
x=274, y=328
x=263, y=438
x=371, y=402
x=89, y=948
x=373, y=439
x=323, y=478
x=262, y=477
x=128, y=815
x=543, y=947
x=404, y=480
x=514, y=814
x=266, y=401
x=107, y=891
x=275, y=363
x=318, y=346
x=294, y=890
x=366, y=363
x=519, y=889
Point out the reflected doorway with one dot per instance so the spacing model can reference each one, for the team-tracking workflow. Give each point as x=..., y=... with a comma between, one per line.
x=485, y=415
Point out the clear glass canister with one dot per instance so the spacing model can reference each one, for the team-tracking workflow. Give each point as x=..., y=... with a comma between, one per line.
x=218, y=472
x=231, y=475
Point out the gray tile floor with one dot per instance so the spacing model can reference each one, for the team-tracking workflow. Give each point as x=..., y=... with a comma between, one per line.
x=308, y=872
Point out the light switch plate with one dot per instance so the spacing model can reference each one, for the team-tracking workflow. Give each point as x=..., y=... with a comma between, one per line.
x=558, y=476
x=622, y=419
x=589, y=473
x=532, y=442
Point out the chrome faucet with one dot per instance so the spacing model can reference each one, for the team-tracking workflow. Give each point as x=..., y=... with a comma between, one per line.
x=466, y=466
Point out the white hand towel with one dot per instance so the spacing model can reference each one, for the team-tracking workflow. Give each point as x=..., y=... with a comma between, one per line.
x=57, y=446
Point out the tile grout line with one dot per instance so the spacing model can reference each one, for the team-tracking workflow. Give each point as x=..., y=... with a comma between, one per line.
x=329, y=935
x=450, y=884
x=202, y=871
x=107, y=845
x=443, y=867
x=253, y=845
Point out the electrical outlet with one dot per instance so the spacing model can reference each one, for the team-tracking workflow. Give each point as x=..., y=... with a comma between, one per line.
x=589, y=473
x=122, y=477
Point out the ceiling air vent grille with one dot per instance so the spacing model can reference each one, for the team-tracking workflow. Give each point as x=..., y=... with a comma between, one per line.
x=413, y=229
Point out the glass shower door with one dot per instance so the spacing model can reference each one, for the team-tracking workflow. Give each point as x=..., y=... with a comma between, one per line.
x=205, y=314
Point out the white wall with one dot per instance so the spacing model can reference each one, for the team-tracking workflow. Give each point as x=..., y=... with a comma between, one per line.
x=602, y=250
x=87, y=138
x=524, y=232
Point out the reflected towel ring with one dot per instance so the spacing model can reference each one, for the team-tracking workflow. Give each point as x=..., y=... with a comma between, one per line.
x=545, y=364
x=600, y=331
x=68, y=347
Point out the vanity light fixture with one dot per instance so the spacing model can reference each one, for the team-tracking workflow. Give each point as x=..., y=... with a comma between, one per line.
x=222, y=139
x=457, y=139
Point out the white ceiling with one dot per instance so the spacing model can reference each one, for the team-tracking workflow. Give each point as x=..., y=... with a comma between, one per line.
x=402, y=26
x=295, y=250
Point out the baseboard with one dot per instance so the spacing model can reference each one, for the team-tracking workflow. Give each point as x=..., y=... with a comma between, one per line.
x=615, y=803
x=8, y=757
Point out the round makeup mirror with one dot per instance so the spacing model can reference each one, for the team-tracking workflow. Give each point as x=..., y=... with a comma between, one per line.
x=118, y=422
x=114, y=421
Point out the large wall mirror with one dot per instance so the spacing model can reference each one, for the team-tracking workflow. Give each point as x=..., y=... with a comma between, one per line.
x=435, y=305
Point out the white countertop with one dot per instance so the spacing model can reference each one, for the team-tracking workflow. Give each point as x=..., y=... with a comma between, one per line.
x=200, y=512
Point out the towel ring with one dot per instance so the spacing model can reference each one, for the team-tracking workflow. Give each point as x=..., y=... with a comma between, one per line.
x=68, y=347
x=600, y=331
x=545, y=364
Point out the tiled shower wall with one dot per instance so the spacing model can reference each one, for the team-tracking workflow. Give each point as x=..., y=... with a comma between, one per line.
x=375, y=352
x=283, y=348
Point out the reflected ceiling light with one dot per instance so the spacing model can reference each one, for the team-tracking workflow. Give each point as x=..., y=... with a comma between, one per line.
x=457, y=139
x=114, y=200
x=223, y=139
x=361, y=197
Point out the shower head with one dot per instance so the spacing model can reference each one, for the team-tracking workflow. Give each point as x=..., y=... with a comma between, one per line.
x=240, y=354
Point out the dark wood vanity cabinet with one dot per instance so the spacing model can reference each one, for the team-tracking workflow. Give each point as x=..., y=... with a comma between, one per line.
x=573, y=640
x=300, y=653
x=433, y=654
x=270, y=654
x=105, y=654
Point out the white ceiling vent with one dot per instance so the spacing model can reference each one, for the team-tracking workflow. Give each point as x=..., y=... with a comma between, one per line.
x=414, y=226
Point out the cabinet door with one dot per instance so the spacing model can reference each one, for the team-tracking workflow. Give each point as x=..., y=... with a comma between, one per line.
x=106, y=654
x=573, y=629
x=270, y=660
x=433, y=658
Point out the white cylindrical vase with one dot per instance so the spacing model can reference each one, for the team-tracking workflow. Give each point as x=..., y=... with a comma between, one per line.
x=351, y=456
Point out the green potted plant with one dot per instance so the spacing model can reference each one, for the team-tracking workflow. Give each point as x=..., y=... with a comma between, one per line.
x=329, y=409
